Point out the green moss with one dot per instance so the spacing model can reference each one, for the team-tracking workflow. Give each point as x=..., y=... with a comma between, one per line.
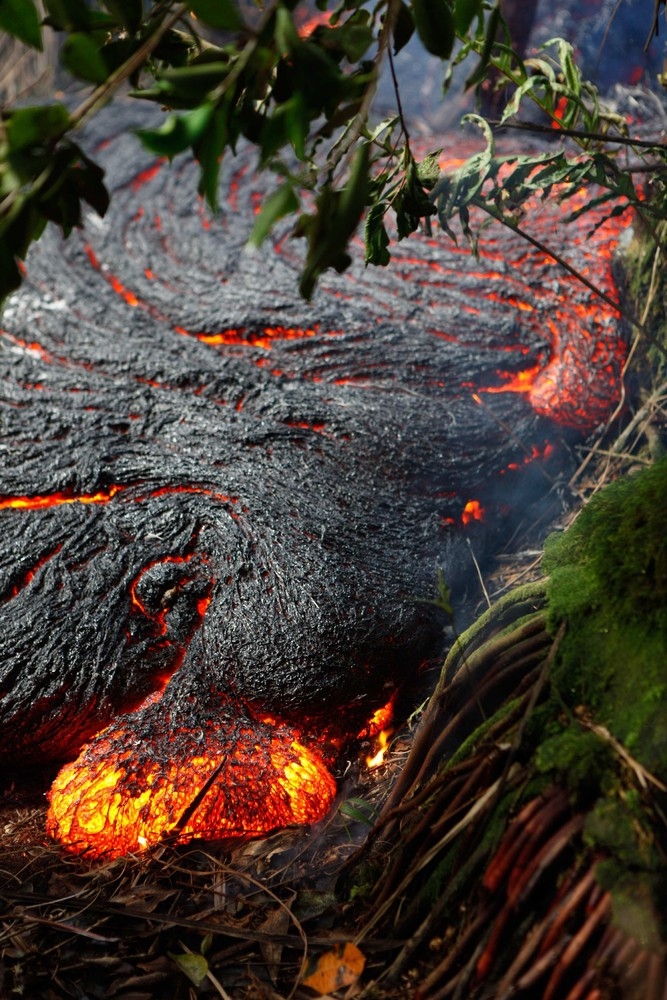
x=469, y=745
x=455, y=873
x=578, y=757
x=608, y=582
x=637, y=903
x=621, y=829
x=618, y=546
x=363, y=882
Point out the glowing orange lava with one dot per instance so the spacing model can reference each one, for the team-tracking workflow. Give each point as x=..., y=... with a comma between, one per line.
x=473, y=511
x=521, y=381
x=103, y=496
x=306, y=28
x=124, y=292
x=147, y=175
x=139, y=604
x=57, y=499
x=116, y=800
x=153, y=776
x=262, y=338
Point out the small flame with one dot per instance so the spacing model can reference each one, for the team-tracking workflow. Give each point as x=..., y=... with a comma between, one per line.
x=379, y=727
x=382, y=744
x=379, y=720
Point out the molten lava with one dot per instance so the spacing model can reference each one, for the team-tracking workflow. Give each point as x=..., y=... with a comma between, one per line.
x=108, y=802
x=222, y=501
x=473, y=511
x=56, y=499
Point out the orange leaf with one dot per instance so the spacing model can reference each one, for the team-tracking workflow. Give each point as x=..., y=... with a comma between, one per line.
x=339, y=967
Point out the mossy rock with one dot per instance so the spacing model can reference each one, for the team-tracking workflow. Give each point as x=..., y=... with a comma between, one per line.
x=608, y=582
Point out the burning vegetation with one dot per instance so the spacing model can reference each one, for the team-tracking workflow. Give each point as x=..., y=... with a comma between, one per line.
x=222, y=501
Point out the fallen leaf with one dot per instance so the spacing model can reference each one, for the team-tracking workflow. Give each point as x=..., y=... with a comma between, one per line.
x=339, y=967
x=195, y=967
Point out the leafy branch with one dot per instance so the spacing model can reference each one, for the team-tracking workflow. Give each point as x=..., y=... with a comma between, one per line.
x=302, y=98
x=505, y=188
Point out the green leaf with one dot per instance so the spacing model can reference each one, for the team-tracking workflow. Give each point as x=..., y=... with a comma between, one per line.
x=192, y=83
x=566, y=58
x=464, y=12
x=376, y=238
x=489, y=40
x=81, y=56
x=532, y=85
x=209, y=149
x=75, y=15
x=286, y=35
x=289, y=123
x=428, y=171
x=26, y=225
x=221, y=14
x=20, y=19
x=281, y=202
x=435, y=26
x=63, y=206
x=354, y=194
x=411, y=203
x=332, y=226
x=444, y=599
x=325, y=247
x=118, y=51
x=28, y=127
x=89, y=179
x=357, y=810
x=355, y=36
x=404, y=27
x=195, y=967
x=387, y=123
x=10, y=275
x=128, y=13
x=178, y=132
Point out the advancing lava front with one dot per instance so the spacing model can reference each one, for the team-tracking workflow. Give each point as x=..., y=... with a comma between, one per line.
x=219, y=504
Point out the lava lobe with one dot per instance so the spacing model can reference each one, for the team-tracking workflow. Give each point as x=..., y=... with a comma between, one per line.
x=220, y=505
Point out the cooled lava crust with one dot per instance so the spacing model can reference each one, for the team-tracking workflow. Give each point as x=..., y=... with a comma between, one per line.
x=219, y=503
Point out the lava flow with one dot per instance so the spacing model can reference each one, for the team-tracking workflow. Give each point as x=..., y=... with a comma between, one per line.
x=194, y=788
x=226, y=509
